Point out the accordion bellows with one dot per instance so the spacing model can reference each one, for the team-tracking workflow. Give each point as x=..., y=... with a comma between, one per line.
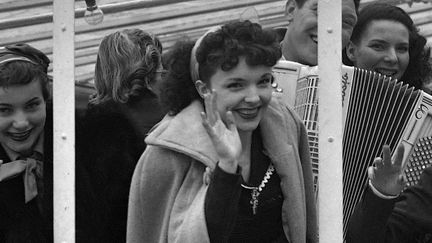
x=377, y=110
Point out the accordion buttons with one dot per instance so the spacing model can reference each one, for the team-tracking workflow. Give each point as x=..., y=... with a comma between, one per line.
x=420, y=159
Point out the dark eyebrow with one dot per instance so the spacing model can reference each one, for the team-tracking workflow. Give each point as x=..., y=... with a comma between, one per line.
x=378, y=40
x=236, y=79
x=5, y=104
x=33, y=99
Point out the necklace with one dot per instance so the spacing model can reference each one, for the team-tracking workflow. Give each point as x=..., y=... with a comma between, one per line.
x=256, y=190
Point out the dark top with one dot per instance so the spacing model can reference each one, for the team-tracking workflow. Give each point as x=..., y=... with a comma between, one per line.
x=110, y=140
x=26, y=222
x=407, y=219
x=228, y=208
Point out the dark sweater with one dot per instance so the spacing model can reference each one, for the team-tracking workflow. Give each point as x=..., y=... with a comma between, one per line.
x=228, y=209
x=406, y=220
x=110, y=141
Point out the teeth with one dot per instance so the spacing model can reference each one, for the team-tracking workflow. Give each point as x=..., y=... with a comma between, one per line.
x=248, y=111
x=315, y=38
x=20, y=135
x=386, y=72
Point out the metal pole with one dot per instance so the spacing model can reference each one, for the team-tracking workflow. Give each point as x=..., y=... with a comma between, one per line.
x=330, y=121
x=64, y=121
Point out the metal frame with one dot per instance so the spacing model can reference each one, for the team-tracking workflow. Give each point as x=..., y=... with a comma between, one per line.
x=64, y=120
x=330, y=195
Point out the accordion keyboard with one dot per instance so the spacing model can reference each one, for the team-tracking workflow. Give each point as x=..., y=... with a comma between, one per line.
x=420, y=159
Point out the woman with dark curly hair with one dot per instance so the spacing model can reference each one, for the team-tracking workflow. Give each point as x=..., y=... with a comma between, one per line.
x=386, y=40
x=110, y=137
x=228, y=163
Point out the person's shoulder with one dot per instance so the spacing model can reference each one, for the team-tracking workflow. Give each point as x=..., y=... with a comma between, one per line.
x=104, y=125
x=157, y=161
x=289, y=119
x=284, y=109
x=104, y=116
x=105, y=109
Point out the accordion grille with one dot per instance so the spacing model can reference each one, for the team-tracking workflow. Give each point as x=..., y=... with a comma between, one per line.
x=378, y=112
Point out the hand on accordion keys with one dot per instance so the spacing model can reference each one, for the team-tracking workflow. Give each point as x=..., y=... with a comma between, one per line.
x=386, y=175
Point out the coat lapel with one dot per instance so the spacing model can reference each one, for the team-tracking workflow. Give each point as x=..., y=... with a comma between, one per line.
x=283, y=153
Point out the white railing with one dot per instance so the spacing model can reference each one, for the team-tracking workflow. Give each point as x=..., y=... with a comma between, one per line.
x=330, y=121
x=64, y=121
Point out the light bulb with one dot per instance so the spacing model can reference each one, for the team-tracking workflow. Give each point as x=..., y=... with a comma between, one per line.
x=93, y=15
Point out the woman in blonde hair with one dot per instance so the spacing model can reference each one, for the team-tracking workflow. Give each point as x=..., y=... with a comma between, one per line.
x=110, y=138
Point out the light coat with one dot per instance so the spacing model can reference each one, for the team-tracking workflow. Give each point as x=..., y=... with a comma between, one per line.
x=166, y=202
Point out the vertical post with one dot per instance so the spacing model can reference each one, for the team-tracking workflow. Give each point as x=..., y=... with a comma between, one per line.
x=64, y=121
x=330, y=121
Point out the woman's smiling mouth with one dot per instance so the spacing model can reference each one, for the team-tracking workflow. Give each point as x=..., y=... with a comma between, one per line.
x=248, y=113
x=19, y=136
x=387, y=72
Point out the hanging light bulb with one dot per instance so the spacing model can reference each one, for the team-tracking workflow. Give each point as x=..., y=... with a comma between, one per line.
x=93, y=15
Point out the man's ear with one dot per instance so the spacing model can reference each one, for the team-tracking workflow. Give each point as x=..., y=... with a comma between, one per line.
x=202, y=88
x=350, y=51
x=290, y=9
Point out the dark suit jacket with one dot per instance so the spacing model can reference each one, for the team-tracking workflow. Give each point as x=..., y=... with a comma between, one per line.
x=405, y=220
x=24, y=222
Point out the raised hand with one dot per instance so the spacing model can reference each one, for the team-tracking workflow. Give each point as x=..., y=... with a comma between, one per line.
x=225, y=137
x=385, y=174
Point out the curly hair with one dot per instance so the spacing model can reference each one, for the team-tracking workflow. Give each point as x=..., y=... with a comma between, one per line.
x=419, y=67
x=220, y=49
x=21, y=72
x=126, y=63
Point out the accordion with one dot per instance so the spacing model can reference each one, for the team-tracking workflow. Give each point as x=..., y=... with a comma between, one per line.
x=377, y=110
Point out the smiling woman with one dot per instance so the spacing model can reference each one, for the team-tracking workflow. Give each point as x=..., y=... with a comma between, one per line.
x=228, y=163
x=25, y=146
x=22, y=117
x=244, y=91
x=386, y=40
